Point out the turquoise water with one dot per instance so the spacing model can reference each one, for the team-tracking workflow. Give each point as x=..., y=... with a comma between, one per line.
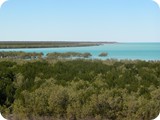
x=142, y=51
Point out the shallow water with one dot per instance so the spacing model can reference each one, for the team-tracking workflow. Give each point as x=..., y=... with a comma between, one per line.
x=142, y=51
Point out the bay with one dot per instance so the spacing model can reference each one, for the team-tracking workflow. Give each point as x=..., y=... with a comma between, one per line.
x=133, y=51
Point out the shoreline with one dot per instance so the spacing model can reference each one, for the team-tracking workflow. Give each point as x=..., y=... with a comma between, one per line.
x=48, y=44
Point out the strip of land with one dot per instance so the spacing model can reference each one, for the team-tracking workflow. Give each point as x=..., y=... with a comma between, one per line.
x=47, y=44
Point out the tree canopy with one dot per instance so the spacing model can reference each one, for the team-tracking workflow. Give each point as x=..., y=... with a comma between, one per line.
x=80, y=89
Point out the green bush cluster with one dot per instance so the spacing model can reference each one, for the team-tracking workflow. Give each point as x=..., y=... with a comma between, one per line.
x=20, y=55
x=80, y=89
x=103, y=54
x=56, y=55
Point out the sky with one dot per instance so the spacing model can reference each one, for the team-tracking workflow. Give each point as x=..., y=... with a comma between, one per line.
x=80, y=20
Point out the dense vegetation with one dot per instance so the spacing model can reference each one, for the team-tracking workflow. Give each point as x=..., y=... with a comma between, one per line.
x=20, y=55
x=33, y=55
x=56, y=55
x=80, y=89
x=103, y=54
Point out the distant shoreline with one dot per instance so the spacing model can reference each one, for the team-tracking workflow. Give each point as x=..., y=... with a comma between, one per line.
x=48, y=44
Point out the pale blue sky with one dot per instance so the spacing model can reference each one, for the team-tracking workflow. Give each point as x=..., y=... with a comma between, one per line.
x=80, y=20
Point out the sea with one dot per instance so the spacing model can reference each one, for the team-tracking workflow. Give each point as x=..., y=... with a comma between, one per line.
x=128, y=51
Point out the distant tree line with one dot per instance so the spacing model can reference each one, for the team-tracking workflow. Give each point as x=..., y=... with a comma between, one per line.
x=52, y=55
x=47, y=44
x=56, y=55
x=20, y=55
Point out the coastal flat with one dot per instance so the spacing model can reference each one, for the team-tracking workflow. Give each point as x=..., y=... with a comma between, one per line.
x=47, y=44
